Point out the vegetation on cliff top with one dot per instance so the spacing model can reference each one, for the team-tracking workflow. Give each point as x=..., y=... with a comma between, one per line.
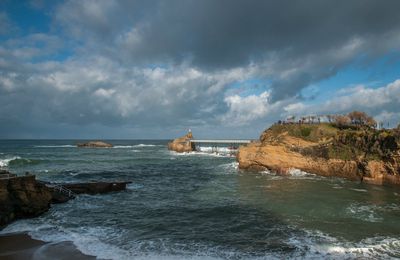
x=337, y=140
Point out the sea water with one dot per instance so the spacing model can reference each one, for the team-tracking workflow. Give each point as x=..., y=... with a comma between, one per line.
x=201, y=206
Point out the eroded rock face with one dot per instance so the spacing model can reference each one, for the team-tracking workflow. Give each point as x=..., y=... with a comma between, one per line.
x=95, y=144
x=22, y=197
x=280, y=152
x=258, y=156
x=182, y=144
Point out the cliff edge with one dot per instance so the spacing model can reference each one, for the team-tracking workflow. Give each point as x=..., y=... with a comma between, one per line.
x=356, y=153
x=182, y=144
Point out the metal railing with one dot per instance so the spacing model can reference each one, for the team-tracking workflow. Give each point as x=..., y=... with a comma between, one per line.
x=7, y=176
x=59, y=188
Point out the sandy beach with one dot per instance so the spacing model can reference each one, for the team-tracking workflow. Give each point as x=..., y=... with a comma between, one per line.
x=21, y=246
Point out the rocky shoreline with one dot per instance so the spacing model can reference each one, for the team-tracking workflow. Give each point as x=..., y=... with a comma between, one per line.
x=365, y=154
x=25, y=197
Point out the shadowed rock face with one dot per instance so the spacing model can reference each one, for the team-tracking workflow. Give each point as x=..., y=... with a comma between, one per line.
x=182, y=144
x=22, y=197
x=95, y=144
x=365, y=155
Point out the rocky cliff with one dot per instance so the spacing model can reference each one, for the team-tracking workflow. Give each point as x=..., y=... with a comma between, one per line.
x=362, y=154
x=22, y=197
x=182, y=144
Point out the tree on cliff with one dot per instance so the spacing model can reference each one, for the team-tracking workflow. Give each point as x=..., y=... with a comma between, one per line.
x=359, y=118
x=342, y=120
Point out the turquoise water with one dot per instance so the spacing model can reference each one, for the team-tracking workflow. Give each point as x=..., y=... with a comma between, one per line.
x=200, y=206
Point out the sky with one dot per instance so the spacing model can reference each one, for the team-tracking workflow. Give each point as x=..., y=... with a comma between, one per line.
x=152, y=69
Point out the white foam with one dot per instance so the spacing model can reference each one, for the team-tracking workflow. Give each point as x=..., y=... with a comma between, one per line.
x=55, y=146
x=5, y=162
x=299, y=173
x=318, y=245
x=124, y=146
x=211, y=149
x=359, y=190
x=291, y=174
x=369, y=212
x=95, y=241
x=146, y=145
x=199, y=154
x=103, y=243
x=230, y=166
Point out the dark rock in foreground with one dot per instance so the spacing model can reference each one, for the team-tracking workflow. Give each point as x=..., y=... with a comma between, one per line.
x=22, y=197
x=95, y=144
x=26, y=197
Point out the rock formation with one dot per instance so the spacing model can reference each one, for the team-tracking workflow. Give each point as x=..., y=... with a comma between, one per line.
x=182, y=144
x=95, y=144
x=364, y=154
x=25, y=197
x=22, y=197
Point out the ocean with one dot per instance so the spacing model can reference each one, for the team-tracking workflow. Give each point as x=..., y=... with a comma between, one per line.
x=201, y=206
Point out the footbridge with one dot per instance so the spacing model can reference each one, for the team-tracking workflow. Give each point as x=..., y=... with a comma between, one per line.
x=219, y=146
x=220, y=141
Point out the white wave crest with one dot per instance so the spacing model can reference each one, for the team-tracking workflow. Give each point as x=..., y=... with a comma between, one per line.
x=292, y=173
x=97, y=241
x=55, y=146
x=6, y=161
x=230, y=166
x=200, y=154
x=146, y=145
x=211, y=149
x=299, y=173
x=322, y=246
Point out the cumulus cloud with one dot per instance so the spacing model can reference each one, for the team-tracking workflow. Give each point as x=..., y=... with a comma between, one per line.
x=161, y=64
x=382, y=102
x=243, y=110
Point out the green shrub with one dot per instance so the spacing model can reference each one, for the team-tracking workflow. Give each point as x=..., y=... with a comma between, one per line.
x=305, y=131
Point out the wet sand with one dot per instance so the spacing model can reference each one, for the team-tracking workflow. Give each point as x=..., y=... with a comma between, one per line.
x=21, y=246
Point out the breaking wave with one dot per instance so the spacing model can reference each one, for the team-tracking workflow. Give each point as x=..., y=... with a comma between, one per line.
x=55, y=146
x=17, y=161
x=317, y=245
x=98, y=241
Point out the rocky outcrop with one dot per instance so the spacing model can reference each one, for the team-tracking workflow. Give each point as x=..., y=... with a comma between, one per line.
x=182, y=144
x=25, y=197
x=22, y=197
x=368, y=156
x=95, y=144
x=278, y=158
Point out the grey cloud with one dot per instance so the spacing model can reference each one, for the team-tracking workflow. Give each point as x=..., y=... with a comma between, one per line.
x=168, y=64
x=213, y=35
